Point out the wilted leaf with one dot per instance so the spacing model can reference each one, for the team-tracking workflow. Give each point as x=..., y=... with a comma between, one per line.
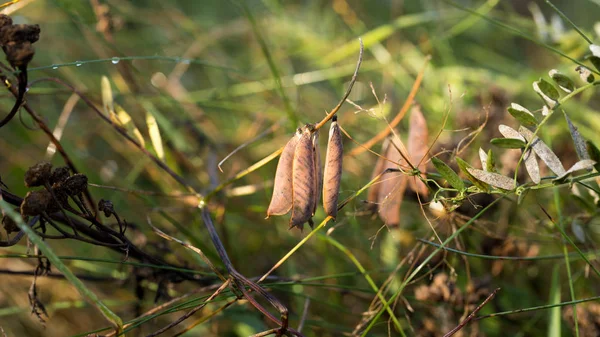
x=304, y=176
x=333, y=170
x=448, y=173
x=580, y=165
x=417, y=148
x=522, y=115
x=543, y=151
x=464, y=167
x=508, y=143
x=281, y=200
x=594, y=153
x=125, y=121
x=578, y=140
x=563, y=81
x=494, y=179
x=531, y=165
x=155, y=137
x=546, y=91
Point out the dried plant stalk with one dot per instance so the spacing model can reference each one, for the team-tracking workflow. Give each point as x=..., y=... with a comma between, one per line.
x=281, y=201
x=333, y=169
x=304, y=176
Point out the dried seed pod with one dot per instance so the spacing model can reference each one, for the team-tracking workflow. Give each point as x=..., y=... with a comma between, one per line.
x=281, y=201
x=10, y=226
x=75, y=184
x=107, y=207
x=333, y=169
x=38, y=174
x=417, y=148
x=304, y=176
x=59, y=174
x=374, y=189
x=318, y=181
x=392, y=187
x=35, y=202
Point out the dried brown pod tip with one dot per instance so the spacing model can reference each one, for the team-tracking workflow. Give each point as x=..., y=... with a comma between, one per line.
x=107, y=207
x=332, y=175
x=38, y=174
x=35, y=202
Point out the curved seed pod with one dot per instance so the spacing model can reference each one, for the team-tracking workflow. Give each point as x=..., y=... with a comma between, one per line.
x=392, y=187
x=373, y=194
x=318, y=182
x=304, y=175
x=333, y=169
x=417, y=148
x=281, y=201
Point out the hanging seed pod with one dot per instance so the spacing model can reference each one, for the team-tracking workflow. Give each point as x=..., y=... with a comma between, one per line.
x=333, y=169
x=318, y=182
x=418, y=136
x=304, y=177
x=393, y=185
x=374, y=189
x=281, y=201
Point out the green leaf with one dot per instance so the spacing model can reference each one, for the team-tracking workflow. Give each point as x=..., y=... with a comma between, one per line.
x=448, y=173
x=523, y=115
x=594, y=153
x=595, y=60
x=563, y=81
x=508, y=143
x=546, y=91
x=464, y=166
x=493, y=179
x=58, y=264
x=491, y=161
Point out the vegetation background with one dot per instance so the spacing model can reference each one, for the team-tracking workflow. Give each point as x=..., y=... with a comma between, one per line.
x=217, y=74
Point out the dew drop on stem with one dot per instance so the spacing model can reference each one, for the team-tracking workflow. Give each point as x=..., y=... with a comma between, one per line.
x=115, y=60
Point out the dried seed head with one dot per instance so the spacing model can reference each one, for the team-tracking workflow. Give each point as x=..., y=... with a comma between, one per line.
x=5, y=20
x=75, y=184
x=281, y=201
x=59, y=175
x=304, y=176
x=35, y=202
x=38, y=174
x=333, y=169
x=10, y=226
x=19, y=34
x=107, y=207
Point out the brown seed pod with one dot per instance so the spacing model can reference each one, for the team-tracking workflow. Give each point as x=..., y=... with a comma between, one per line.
x=374, y=189
x=59, y=175
x=318, y=181
x=417, y=148
x=281, y=201
x=75, y=184
x=35, y=202
x=332, y=175
x=304, y=176
x=392, y=187
x=38, y=174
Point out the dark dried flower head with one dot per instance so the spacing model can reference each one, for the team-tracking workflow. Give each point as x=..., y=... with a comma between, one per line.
x=59, y=175
x=38, y=174
x=19, y=54
x=76, y=184
x=19, y=34
x=107, y=207
x=35, y=202
x=5, y=20
x=10, y=226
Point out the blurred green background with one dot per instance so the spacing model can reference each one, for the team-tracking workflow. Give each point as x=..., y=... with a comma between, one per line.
x=217, y=74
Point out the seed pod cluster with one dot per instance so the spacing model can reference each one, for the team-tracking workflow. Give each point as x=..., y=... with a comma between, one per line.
x=17, y=40
x=299, y=178
x=386, y=194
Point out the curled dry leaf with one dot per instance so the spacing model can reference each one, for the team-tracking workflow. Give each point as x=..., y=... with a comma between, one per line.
x=333, y=170
x=281, y=201
x=543, y=151
x=418, y=136
x=304, y=176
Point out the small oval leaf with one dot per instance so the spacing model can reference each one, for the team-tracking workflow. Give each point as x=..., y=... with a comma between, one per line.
x=464, y=166
x=448, y=173
x=531, y=165
x=580, y=165
x=543, y=151
x=563, y=81
x=522, y=115
x=578, y=140
x=508, y=143
x=546, y=91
